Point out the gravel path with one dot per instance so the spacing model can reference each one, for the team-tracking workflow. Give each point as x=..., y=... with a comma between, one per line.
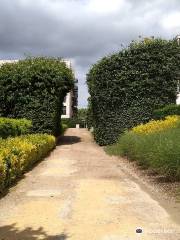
x=80, y=193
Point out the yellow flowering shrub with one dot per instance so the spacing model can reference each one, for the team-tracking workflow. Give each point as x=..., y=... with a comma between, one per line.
x=157, y=125
x=2, y=173
x=19, y=153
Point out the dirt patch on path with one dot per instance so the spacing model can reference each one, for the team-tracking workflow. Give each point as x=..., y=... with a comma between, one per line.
x=80, y=193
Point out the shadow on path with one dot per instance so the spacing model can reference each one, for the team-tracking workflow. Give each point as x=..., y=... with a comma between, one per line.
x=11, y=232
x=68, y=140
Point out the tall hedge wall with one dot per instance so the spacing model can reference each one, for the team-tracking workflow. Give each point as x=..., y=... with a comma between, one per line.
x=127, y=86
x=34, y=89
x=10, y=127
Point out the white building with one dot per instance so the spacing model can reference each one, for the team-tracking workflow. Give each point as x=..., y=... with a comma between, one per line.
x=178, y=93
x=178, y=99
x=68, y=106
x=7, y=61
x=70, y=101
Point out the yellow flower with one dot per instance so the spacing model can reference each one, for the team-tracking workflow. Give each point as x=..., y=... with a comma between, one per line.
x=158, y=125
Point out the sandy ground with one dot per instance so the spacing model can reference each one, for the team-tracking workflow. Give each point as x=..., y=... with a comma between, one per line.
x=80, y=193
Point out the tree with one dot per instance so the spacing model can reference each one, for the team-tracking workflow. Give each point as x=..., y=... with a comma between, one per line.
x=34, y=88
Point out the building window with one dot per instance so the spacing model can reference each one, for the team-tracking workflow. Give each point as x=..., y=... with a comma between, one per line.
x=64, y=110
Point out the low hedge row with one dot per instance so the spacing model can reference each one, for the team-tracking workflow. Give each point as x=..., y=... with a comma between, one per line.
x=18, y=154
x=171, y=109
x=159, y=150
x=14, y=127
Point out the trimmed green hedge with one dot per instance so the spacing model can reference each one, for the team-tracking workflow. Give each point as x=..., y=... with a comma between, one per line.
x=125, y=88
x=90, y=117
x=14, y=127
x=161, y=113
x=34, y=89
x=18, y=154
x=159, y=151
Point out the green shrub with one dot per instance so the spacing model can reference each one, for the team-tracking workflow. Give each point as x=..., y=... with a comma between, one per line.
x=64, y=128
x=14, y=127
x=90, y=118
x=34, y=89
x=159, y=151
x=18, y=154
x=71, y=122
x=125, y=88
x=171, y=109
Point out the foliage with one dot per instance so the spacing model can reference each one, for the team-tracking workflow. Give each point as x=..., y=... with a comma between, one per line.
x=159, y=150
x=18, y=154
x=71, y=122
x=14, y=127
x=64, y=128
x=158, y=125
x=80, y=118
x=82, y=114
x=89, y=115
x=171, y=109
x=34, y=89
x=126, y=87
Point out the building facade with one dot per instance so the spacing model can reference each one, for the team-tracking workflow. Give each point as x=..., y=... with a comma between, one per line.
x=70, y=101
x=68, y=106
x=178, y=99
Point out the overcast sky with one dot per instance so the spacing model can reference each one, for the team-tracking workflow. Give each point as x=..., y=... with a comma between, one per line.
x=82, y=30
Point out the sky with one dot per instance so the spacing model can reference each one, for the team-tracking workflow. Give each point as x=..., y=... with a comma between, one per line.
x=82, y=30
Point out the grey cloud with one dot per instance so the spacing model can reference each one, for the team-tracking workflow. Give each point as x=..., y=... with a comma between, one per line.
x=74, y=29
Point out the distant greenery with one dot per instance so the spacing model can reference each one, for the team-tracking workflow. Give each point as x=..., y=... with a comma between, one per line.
x=34, y=89
x=69, y=122
x=158, y=150
x=80, y=118
x=82, y=114
x=14, y=127
x=125, y=88
x=64, y=128
x=161, y=113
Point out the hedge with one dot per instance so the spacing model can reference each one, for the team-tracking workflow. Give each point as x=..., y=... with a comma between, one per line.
x=64, y=128
x=34, y=89
x=14, y=127
x=18, y=154
x=158, y=151
x=161, y=113
x=125, y=88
